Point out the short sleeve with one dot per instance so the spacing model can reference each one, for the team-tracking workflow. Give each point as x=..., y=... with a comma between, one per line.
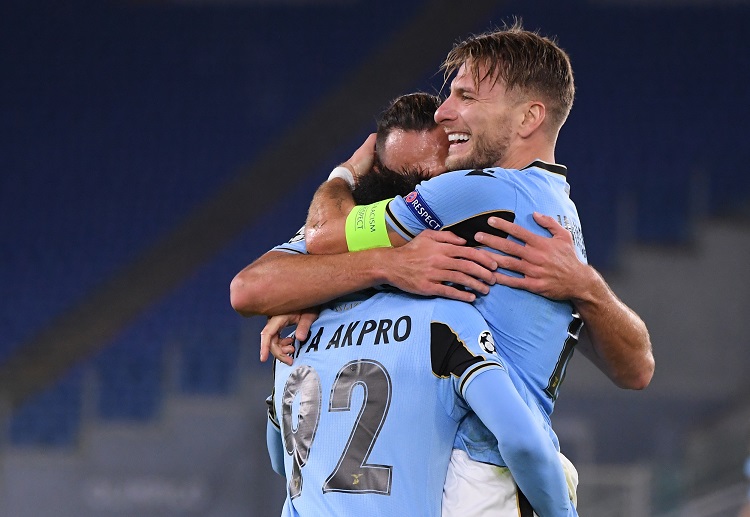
x=294, y=245
x=450, y=200
x=462, y=345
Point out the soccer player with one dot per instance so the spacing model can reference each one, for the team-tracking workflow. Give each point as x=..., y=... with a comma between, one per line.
x=511, y=93
x=369, y=410
x=285, y=281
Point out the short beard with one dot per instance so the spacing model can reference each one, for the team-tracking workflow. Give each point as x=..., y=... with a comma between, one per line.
x=383, y=183
x=484, y=155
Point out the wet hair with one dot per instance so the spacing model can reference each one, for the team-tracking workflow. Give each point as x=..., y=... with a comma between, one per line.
x=525, y=61
x=411, y=112
x=383, y=183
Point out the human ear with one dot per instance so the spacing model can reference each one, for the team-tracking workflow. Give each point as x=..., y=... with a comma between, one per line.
x=533, y=116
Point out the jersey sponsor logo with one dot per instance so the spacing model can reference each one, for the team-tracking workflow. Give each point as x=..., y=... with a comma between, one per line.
x=486, y=342
x=424, y=213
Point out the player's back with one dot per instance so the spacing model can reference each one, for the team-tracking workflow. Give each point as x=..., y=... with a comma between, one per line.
x=366, y=425
x=536, y=335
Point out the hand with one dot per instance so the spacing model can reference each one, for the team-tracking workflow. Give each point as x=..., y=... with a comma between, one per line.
x=432, y=258
x=550, y=266
x=361, y=161
x=283, y=348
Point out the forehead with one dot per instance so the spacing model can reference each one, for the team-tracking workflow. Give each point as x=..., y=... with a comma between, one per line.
x=402, y=140
x=414, y=148
x=471, y=77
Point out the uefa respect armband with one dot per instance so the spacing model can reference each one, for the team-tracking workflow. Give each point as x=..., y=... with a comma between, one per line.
x=366, y=227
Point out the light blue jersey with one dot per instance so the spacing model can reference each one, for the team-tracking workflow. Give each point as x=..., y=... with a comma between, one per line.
x=536, y=335
x=369, y=410
x=294, y=245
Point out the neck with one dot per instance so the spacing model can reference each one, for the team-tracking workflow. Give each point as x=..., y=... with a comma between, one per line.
x=522, y=157
x=524, y=150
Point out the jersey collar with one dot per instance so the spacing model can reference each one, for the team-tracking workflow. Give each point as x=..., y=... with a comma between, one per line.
x=554, y=168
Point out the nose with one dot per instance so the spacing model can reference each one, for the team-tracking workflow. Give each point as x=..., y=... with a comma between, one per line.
x=445, y=111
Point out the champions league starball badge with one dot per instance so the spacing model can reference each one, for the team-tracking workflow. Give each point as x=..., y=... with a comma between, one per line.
x=486, y=342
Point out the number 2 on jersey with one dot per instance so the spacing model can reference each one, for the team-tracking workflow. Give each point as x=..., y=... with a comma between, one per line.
x=352, y=473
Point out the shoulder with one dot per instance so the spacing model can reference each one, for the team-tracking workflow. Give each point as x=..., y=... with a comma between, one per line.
x=461, y=342
x=469, y=176
x=453, y=320
x=454, y=311
x=477, y=187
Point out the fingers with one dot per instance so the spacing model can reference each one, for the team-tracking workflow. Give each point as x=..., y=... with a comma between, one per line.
x=271, y=341
x=500, y=244
x=283, y=349
x=447, y=291
x=484, y=258
x=479, y=274
x=265, y=346
x=513, y=264
x=466, y=280
x=454, y=249
x=305, y=322
x=510, y=281
x=548, y=223
x=280, y=348
x=370, y=142
x=361, y=161
x=517, y=231
x=446, y=237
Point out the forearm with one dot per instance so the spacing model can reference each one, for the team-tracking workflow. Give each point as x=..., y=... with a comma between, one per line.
x=524, y=445
x=326, y=218
x=279, y=283
x=620, y=343
x=275, y=448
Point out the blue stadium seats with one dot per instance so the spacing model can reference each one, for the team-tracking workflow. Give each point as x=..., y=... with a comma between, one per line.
x=119, y=120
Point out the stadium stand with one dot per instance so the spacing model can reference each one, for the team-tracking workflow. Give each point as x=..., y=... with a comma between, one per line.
x=121, y=120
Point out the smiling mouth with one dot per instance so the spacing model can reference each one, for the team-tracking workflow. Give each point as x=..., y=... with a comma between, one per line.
x=457, y=139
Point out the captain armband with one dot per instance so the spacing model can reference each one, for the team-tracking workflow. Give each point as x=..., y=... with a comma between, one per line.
x=366, y=227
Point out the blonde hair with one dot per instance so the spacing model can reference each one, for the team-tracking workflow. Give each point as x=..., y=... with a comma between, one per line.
x=525, y=61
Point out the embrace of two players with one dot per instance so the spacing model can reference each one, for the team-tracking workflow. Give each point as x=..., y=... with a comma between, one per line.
x=443, y=314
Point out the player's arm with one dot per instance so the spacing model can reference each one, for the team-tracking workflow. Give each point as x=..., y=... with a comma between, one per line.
x=619, y=341
x=526, y=448
x=280, y=283
x=275, y=448
x=464, y=350
x=326, y=218
x=273, y=440
x=333, y=201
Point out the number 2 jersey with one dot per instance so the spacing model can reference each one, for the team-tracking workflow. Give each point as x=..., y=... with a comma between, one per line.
x=536, y=335
x=369, y=410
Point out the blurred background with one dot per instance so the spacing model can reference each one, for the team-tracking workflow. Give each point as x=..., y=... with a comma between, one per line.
x=151, y=149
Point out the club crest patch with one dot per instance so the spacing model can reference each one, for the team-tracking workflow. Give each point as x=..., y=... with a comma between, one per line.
x=486, y=342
